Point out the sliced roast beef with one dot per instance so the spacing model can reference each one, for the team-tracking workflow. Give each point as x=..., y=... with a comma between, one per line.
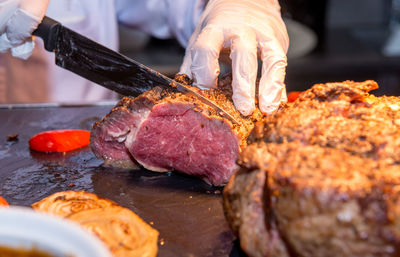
x=163, y=131
x=321, y=177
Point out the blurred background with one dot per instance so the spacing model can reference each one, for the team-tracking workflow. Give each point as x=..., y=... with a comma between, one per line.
x=331, y=40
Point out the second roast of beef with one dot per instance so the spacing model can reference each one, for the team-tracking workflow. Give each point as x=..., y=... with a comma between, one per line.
x=321, y=177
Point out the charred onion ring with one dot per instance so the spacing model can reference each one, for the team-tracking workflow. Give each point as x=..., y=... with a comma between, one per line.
x=120, y=229
x=69, y=202
x=125, y=233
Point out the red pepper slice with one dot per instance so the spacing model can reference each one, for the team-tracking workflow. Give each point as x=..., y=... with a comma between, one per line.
x=60, y=140
x=3, y=202
x=292, y=96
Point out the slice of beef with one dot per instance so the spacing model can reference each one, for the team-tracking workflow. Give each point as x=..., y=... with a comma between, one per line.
x=329, y=171
x=164, y=131
x=108, y=136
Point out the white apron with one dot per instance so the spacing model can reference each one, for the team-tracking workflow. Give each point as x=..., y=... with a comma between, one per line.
x=38, y=79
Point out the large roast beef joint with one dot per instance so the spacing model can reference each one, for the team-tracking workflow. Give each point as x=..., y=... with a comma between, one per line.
x=321, y=177
x=164, y=131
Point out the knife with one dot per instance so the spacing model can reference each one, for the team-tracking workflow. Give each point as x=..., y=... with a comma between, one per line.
x=106, y=67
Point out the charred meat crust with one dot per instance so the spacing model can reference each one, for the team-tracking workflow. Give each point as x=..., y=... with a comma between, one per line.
x=245, y=210
x=368, y=127
x=331, y=162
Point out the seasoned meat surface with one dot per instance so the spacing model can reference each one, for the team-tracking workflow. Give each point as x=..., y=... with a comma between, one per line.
x=329, y=164
x=347, y=118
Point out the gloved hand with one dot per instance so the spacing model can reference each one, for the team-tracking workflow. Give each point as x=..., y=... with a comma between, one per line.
x=18, y=19
x=248, y=28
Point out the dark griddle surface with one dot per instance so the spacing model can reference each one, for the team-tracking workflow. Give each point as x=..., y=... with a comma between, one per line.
x=186, y=211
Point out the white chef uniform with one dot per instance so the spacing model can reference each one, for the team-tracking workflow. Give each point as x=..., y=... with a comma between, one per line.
x=38, y=79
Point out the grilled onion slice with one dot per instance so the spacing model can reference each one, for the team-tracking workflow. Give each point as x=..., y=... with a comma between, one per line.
x=66, y=203
x=125, y=233
x=120, y=229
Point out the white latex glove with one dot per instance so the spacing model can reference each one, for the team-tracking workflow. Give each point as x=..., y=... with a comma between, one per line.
x=248, y=28
x=18, y=19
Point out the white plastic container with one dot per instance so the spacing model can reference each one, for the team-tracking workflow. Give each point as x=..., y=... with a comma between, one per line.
x=22, y=227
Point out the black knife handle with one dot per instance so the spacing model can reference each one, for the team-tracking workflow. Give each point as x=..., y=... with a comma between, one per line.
x=48, y=31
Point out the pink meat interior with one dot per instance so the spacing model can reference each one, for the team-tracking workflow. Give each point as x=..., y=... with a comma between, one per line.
x=175, y=136
x=107, y=141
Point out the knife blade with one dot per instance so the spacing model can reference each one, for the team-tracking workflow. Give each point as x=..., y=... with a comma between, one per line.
x=106, y=67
